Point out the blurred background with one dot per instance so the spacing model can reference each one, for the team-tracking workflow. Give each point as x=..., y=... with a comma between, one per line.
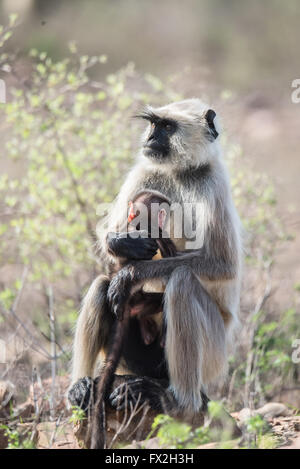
x=75, y=72
x=248, y=50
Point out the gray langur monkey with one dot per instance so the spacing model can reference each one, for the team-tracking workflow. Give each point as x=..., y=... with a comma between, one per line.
x=182, y=159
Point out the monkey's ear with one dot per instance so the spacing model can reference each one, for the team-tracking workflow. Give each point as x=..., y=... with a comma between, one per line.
x=162, y=215
x=210, y=117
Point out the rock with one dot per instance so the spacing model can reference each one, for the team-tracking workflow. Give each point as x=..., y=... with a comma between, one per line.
x=7, y=398
x=273, y=409
x=244, y=415
x=268, y=412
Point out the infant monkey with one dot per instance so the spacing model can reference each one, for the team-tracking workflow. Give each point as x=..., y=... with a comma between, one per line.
x=149, y=214
x=150, y=210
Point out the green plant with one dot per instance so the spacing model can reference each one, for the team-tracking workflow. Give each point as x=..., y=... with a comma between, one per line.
x=78, y=415
x=70, y=142
x=172, y=433
x=16, y=440
x=259, y=434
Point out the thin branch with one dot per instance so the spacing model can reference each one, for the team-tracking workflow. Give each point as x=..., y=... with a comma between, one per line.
x=259, y=304
x=63, y=351
x=231, y=386
x=34, y=343
x=79, y=200
x=53, y=351
x=20, y=292
x=57, y=423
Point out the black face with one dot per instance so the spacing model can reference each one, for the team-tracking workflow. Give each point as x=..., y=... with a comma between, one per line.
x=158, y=142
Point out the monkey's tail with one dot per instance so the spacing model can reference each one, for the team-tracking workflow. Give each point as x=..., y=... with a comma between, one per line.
x=98, y=430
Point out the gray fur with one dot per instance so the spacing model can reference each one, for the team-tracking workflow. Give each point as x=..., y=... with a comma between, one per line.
x=195, y=342
x=203, y=285
x=92, y=329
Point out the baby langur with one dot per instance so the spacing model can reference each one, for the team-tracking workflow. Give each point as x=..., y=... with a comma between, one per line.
x=150, y=210
x=148, y=215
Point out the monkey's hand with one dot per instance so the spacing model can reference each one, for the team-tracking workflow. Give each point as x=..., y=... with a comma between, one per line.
x=82, y=393
x=120, y=289
x=140, y=390
x=132, y=245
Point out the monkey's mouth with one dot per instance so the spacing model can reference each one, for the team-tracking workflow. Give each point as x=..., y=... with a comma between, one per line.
x=155, y=150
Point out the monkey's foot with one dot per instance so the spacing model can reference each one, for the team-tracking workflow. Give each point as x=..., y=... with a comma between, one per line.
x=137, y=391
x=82, y=393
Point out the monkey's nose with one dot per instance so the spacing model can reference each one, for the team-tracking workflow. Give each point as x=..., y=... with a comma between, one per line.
x=151, y=137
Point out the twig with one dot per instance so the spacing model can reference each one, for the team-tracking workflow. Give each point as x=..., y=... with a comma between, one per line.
x=53, y=352
x=63, y=351
x=140, y=423
x=57, y=423
x=13, y=312
x=257, y=383
x=260, y=302
x=35, y=400
x=135, y=410
x=79, y=200
x=20, y=292
x=231, y=386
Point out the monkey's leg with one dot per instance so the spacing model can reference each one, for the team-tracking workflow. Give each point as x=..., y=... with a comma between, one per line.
x=195, y=339
x=92, y=329
x=128, y=391
x=82, y=393
x=146, y=303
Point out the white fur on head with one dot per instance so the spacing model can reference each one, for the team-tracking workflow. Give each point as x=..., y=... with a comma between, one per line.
x=192, y=145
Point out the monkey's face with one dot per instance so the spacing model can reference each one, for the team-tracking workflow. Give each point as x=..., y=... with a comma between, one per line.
x=158, y=142
x=181, y=134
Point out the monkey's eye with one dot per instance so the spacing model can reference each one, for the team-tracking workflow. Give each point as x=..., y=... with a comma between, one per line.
x=168, y=126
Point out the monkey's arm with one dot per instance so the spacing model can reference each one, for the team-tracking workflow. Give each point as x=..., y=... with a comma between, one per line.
x=202, y=263
x=217, y=260
x=135, y=273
